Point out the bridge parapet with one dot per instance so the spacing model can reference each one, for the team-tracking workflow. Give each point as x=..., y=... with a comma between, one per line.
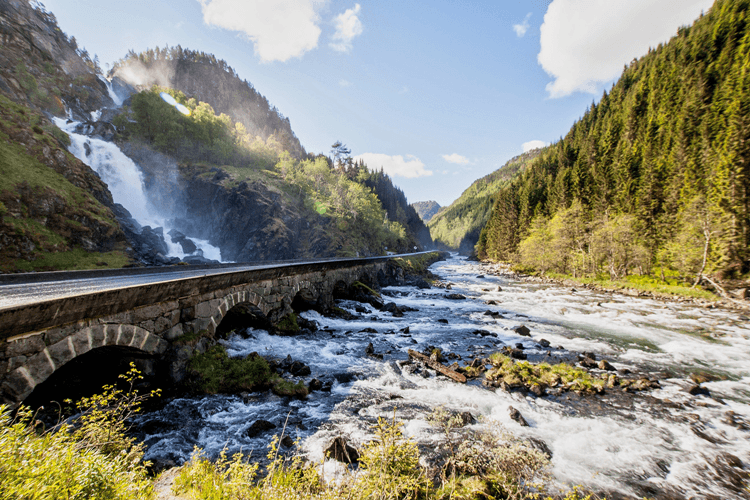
x=42, y=337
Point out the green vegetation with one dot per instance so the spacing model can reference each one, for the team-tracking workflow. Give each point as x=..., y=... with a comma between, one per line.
x=288, y=324
x=417, y=264
x=525, y=374
x=90, y=457
x=654, y=175
x=75, y=259
x=359, y=284
x=480, y=466
x=458, y=225
x=93, y=457
x=44, y=215
x=214, y=372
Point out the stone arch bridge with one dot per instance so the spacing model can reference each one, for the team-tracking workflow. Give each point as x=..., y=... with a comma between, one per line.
x=39, y=337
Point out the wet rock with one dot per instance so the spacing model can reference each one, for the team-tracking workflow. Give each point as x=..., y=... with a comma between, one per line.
x=259, y=426
x=370, y=349
x=368, y=330
x=540, y=445
x=544, y=343
x=480, y=276
x=327, y=387
x=537, y=390
x=287, y=441
x=443, y=320
x=404, y=330
x=516, y=415
x=341, y=451
x=604, y=365
x=523, y=331
x=314, y=385
x=499, y=289
x=299, y=369
x=421, y=284
x=393, y=309
x=587, y=354
x=455, y=296
x=587, y=362
x=467, y=418
x=483, y=333
x=490, y=302
x=520, y=346
x=513, y=353
x=698, y=390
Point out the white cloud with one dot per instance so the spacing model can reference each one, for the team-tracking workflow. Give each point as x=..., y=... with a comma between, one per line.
x=396, y=165
x=456, y=158
x=279, y=30
x=348, y=26
x=345, y=83
x=528, y=146
x=522, y=28
x=585, y=43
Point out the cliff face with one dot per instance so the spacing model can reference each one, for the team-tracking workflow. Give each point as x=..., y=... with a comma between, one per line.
x=54, y=210
x=41, y=68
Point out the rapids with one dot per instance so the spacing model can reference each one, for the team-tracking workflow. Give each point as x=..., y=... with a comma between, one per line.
x=662, y=443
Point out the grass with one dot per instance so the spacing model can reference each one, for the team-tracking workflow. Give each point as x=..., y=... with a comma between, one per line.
x=525, y=374
x=75, y=259
x=288, y=324
x=92, y=457
x=215, y=372
x=645, y=283
x=88, y=457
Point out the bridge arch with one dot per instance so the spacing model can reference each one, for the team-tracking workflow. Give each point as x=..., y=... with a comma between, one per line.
x=42, y=365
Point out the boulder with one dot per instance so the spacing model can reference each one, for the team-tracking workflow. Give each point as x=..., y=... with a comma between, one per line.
x=455, y=296
x=516, y=415
x=393, y=309
x=523, y=331
x=341, y=451
x=259, y=426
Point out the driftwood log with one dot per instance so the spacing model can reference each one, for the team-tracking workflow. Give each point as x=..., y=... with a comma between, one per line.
x=435, y=365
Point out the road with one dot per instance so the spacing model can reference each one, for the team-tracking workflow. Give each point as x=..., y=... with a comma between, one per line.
x=29, y=288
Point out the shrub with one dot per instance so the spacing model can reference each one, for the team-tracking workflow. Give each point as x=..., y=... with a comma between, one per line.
x=214, y=371
x=89, y=457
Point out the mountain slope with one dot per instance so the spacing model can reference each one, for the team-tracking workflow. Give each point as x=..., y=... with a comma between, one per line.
x=656, y=173
x=426, y=209
x=458, y=225
x=210, y=80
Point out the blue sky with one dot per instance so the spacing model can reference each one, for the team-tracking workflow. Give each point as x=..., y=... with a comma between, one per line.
x=439, y=93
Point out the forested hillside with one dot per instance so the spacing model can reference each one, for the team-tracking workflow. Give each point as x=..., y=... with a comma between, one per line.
x=656, y=174
x=208, y=79
x=458, y=225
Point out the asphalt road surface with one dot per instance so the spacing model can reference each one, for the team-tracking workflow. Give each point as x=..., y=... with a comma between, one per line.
x=27, y=293
x=29, y=288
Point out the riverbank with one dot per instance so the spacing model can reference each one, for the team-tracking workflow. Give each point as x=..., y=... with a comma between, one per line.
x=665, y=292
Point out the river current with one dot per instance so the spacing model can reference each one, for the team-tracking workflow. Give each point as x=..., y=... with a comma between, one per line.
x=661, y=443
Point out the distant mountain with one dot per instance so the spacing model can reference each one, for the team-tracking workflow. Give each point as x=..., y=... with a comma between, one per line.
x=458, y=225
x=426, y=209
x=211, y=80
x=656, y=175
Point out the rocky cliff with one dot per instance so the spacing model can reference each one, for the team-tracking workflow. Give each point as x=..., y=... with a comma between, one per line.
x=426, y=209
x=55, y=212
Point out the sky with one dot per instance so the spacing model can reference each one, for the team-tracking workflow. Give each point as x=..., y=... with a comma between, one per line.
x=438, y=93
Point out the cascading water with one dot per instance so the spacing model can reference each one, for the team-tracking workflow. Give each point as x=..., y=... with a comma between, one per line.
x=125, y=182
x=663, y=443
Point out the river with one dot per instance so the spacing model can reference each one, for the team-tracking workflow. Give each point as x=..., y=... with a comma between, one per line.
x=660, y=443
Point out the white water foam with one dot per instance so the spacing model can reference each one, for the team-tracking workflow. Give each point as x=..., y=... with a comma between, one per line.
x=125, y=181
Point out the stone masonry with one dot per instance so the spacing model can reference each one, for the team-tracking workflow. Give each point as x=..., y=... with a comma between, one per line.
x=27, y=358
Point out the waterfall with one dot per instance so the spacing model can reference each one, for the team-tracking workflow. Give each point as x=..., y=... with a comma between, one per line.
x=125, y=182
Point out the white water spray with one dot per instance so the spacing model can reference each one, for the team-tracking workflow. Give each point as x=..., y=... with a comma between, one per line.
x=125, y=182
